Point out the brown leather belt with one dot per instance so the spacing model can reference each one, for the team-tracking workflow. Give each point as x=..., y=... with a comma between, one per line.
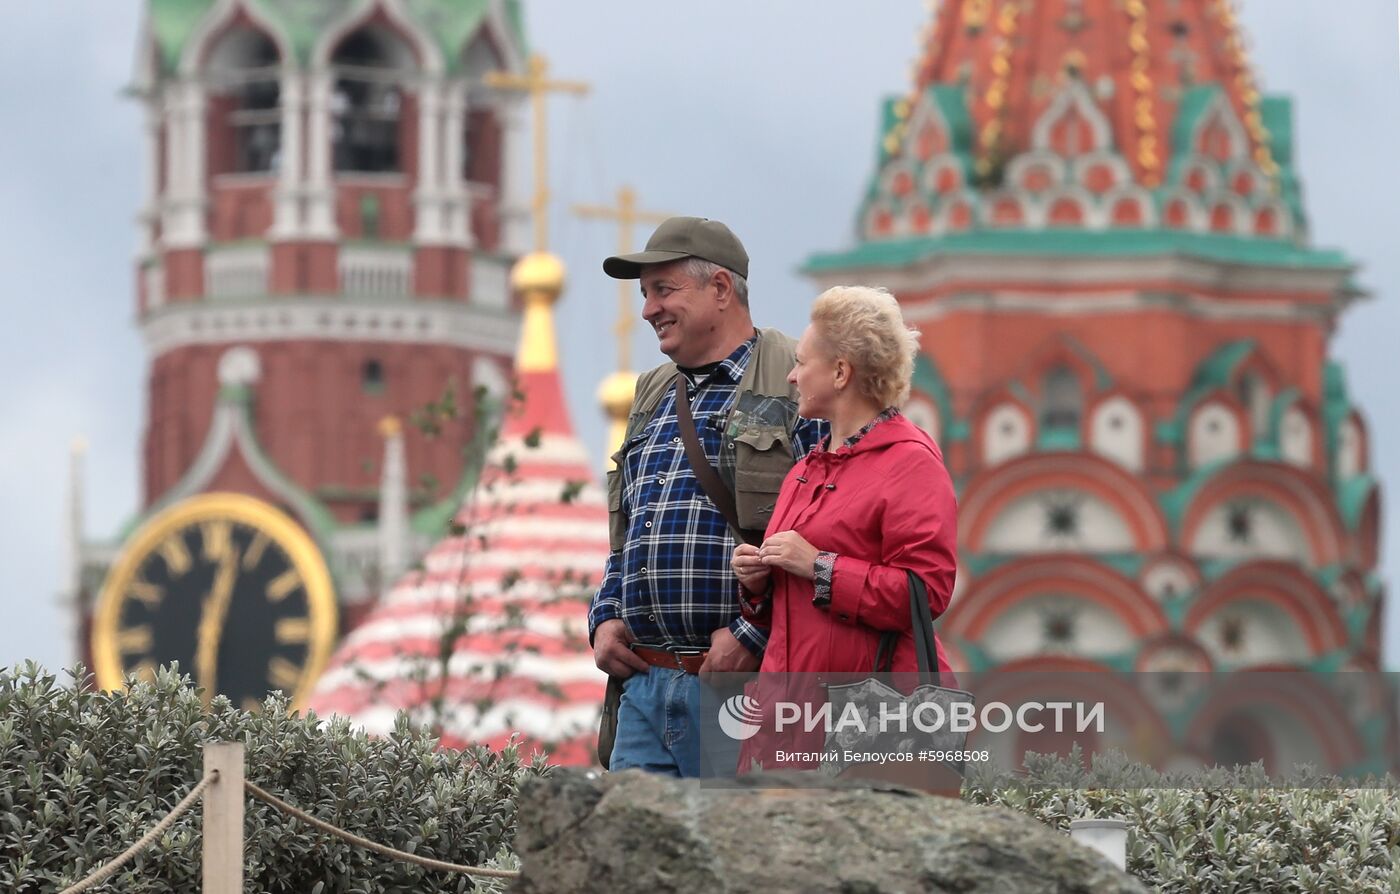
x=687, y=661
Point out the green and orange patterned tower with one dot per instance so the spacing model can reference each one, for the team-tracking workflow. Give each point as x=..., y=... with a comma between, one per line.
x=1093, y=216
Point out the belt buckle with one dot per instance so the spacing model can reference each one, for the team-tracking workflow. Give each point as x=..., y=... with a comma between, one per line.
x=684, y=652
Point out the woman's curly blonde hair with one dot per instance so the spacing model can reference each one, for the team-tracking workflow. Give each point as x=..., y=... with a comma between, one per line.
x=863, y=325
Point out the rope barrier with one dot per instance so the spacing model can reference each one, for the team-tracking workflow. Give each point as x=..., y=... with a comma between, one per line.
x=385, y=850
x=109, y=869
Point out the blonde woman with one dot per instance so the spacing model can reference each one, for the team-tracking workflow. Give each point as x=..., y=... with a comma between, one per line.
x=864, y=507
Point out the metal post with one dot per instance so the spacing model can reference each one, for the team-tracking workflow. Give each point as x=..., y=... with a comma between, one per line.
x=223, y=819
x=1107, y=836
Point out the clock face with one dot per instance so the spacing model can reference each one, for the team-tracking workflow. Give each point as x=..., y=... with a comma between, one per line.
x=228, y=586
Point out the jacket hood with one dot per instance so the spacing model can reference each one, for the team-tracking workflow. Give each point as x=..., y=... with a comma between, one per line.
x=883, y=436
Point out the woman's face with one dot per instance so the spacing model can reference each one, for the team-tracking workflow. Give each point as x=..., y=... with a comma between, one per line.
x=814, y=374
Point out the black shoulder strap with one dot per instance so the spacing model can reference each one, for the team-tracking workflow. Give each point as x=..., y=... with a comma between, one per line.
x=705, y=473
x=925, y=646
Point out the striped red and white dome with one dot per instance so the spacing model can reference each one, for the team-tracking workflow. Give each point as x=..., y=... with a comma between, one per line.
x=505, y=597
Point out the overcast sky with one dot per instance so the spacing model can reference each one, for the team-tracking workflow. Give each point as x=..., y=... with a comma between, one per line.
x=761, y=114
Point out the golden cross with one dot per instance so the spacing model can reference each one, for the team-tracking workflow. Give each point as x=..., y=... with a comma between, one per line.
x=627, y=216
x=538, y=86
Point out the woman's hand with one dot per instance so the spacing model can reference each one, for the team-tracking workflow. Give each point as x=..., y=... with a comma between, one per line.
x=750, y=570
x=791, y=552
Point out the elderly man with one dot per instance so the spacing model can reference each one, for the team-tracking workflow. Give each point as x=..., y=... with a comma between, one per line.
x=668, y=607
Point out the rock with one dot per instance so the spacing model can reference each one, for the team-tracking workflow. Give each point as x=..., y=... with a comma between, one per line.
x=634, y=831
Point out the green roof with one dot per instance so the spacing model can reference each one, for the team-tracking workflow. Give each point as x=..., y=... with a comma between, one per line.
x=172, y=22
x=451, y=23
x=302, y=22
x=1082, y=244
x=1351, y=498
x=1336, y=404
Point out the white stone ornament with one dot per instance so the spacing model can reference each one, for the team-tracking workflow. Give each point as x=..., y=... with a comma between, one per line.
x=239, y=366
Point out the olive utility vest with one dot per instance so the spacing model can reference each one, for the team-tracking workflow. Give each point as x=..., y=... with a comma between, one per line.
x=758, y=430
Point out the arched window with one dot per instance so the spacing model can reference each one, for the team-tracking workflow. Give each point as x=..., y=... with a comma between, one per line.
x=372, y=377
x=245, y=118
x=1062, y=401
x=367, y=103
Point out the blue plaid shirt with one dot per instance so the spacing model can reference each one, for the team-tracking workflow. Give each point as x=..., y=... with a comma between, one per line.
x=671, y=582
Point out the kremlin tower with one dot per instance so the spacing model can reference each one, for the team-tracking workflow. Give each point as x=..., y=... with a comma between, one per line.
x=332, y=207
x=490, y=639
x=1092, y=215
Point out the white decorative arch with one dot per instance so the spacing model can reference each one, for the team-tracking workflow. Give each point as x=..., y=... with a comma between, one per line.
x=358, y=13
x=935, y=167
x=924, y=413
x=1246, y=166
x=1220, y=111
x=1214, y=434
x=1056, y=166
x=1295, y=437
x=1023, y=525
x=926, y=112
x=1169, y=578
x=1122, y=174
x=1074, y=96
x=1197, y=219
x=1241, y=216
x=1024, y=630
x=1273, y=532
x=1207, y=170
x=895, y=168
x=1281, y=213
x=1095, y=212
x=1006, y=433
x=1252, y=632
x=1134, y=193
x=498, y=23
x=1351, y=449
x=1116, y=431
x=213, y=25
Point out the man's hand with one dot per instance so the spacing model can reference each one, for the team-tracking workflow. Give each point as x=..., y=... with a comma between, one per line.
x=791, y=552
x=727, y=655
x=750, y=570
x=610, y=651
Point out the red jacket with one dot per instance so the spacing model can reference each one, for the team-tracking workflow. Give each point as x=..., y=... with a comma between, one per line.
x=883, y=506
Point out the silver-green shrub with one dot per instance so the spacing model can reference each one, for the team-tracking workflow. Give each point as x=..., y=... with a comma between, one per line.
x=1220, y=831
x=84, y=773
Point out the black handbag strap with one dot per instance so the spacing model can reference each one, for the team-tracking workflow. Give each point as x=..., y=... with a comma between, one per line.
x=705, y=474
x=925, y=646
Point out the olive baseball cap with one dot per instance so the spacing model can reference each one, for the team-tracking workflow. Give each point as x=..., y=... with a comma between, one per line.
x=684, y=237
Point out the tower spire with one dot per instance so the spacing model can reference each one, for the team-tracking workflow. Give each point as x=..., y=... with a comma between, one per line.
x=1137, y=60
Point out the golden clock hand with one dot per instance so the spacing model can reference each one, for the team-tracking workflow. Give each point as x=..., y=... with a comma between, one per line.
x=211, y=625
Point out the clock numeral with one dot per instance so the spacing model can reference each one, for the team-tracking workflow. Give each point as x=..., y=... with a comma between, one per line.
x=283, y=584
x=293, y=630
x=135, y=640
x=147, y=593
x=218, y=540
x=255, y=552
x=176, y=555
x=283, y=674
x=145, y=672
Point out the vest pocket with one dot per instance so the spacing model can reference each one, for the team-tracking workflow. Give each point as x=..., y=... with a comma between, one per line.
x=617, y=523
x=762, y=460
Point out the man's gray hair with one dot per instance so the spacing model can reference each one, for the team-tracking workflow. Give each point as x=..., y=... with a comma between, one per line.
x=701, y=270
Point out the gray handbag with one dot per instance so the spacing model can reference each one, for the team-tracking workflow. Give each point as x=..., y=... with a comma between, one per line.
x=873, y=694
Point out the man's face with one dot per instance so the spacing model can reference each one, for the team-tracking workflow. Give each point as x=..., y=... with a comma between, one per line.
x=683, y=313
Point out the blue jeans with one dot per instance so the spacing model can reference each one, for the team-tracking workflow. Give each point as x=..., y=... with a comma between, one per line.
x=658, y=728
